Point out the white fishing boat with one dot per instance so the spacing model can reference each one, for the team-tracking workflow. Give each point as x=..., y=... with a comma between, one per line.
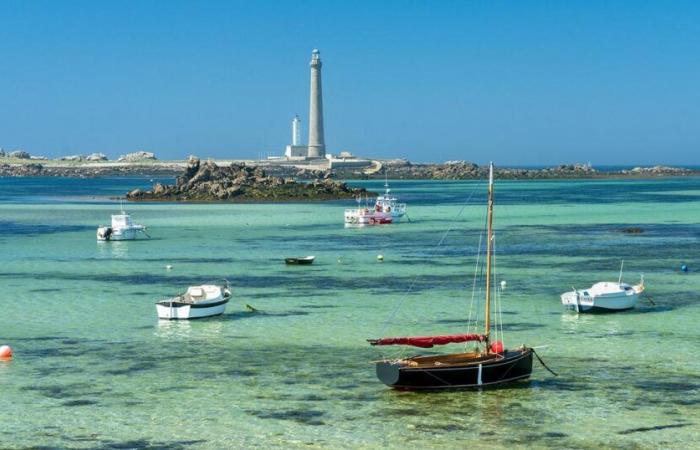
x=385, y=211
x=604, y=296
x=205, y=300
x=366, y=216
x=122, y=229
x=388, y=204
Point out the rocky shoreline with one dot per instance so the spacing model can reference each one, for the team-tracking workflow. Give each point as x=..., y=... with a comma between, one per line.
x=206, y=182
x=394, y=169
x=463, y=170
x=125, y=170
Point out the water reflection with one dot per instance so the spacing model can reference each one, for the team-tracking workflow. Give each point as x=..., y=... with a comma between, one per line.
x=189, y=330
x=113, y=249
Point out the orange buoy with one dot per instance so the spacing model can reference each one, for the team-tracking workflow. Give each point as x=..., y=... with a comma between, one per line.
x=5, y=352
x=497, y=347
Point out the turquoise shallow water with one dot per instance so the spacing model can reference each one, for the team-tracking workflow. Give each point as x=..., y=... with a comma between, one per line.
x=95, y=369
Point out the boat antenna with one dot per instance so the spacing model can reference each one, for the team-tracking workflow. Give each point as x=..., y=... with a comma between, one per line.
x=121, y=205
x=489, y=246
x=386, y=182
x=619, y=280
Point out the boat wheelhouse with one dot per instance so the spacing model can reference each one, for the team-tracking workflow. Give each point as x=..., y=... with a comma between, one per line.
x=388, y=204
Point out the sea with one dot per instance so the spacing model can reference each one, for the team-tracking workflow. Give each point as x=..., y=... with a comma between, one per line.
x=288, y=364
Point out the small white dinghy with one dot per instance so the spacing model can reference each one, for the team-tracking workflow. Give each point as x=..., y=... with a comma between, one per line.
x=205, y=300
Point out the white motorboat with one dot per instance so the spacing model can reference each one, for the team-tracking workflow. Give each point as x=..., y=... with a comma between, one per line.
x=388, y=204
x=122, y=229
x=205, y=300
x=603, y=296
x=366, y=216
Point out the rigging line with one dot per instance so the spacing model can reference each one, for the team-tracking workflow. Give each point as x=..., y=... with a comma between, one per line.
x=476, y=275
x=480, y=269
x=434, y=249
x=499, y=296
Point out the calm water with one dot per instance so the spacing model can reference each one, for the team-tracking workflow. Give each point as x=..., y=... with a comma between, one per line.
x=95, y=369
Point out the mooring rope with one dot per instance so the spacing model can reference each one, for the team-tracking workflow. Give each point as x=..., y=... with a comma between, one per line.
x=543, y=364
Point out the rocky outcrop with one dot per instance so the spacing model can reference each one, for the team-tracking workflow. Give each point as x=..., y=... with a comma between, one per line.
x=209, y=182
x=137, y=156
x=96, y=157
x=72, y=158
x=21, y=170
x=19, y=154
x=658, y=170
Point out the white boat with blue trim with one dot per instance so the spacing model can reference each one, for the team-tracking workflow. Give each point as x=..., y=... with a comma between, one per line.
x=205, y=300
x=604, y=296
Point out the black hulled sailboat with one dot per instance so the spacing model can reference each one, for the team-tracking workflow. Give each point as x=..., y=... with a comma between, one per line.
x=489, y=364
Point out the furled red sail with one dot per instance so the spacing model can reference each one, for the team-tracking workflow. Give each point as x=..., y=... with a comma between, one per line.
x=428, y=341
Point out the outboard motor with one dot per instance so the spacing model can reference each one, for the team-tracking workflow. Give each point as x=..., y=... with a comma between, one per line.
x=104, y=233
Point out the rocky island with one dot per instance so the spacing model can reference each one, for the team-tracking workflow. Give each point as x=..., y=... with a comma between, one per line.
x=206, y=182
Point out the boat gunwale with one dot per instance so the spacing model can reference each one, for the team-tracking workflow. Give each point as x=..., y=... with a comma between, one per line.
x=497, y=359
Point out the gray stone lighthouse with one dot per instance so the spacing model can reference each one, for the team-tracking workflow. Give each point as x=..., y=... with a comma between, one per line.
x=317, y=144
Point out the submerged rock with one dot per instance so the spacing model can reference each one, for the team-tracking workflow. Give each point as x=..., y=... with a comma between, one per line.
x=237, y=182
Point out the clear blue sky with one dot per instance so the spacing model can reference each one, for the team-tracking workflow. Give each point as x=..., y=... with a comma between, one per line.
x=521, y=82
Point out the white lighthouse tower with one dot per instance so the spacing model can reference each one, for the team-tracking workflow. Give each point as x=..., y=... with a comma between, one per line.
x=296, y=131
x=317, y=144
x=296, y=150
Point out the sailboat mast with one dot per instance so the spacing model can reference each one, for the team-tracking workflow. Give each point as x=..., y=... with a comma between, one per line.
x=489, y=245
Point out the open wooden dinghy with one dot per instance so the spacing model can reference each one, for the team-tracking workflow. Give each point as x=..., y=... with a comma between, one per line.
x=488, y=365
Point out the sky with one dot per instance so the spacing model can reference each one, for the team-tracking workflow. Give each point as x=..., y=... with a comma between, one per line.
x=516, y=82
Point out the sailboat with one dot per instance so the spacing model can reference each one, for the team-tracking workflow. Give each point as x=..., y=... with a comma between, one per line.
x=489, y=364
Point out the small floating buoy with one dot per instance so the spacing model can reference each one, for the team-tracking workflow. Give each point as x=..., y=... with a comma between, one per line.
x=503, y=285
x=497, y=347
x=380, y=258
x=684, y=268
x=168, y=267
x=340, y=260
x=5, y=352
